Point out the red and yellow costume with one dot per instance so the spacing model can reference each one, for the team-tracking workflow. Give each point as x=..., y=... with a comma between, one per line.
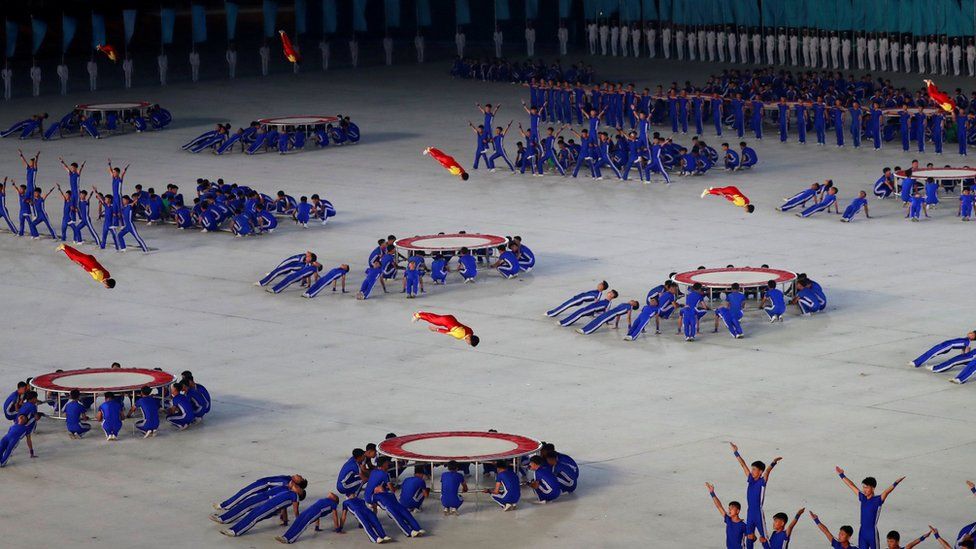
x=940, y=98
x=447, y=161
x=732, y=194
x=87, y=262
x=446, y=324
x=109, y=52
x=291, y=53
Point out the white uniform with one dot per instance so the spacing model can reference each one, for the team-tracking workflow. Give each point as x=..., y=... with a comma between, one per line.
x=824, y=52
x=906, y=49
x=604, y=35
x=418, y=44
x=744, y=48
x=354, y=52
x=920, y=48
x=388, y=50
x=692, y=46
x=956, y=59
x=872, y=53
x=721, y=40
x=882, y=48
x=614, y=37
x=498, y=38
x=35, y=76
x=895, y=53
x=92, y=75
x=944, y=57
x=666, y=42
x=530, y=41
x=971, y=59
x=861, y=44
x=845, y=52
x=635, y=38
x=326, y=49
x=770, y=49
x=650, y=36
x=459, y=41
x=127, y=69
x=162, y=61
x=624, y=39
x=805, y=50
x=794, y=46
x=757, y=48
x=835, y=51
x=933, y=58
x=563, y=36
x=231, y=57
x=679, y=43
x=8, y=79
x=710, y=45
x=591, y=37
x=781, y=42
x=265, y=54
x=63, y=77
x=194, y=66
x=702, y=45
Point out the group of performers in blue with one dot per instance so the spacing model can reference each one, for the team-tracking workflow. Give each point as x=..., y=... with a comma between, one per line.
x=258, y=138
x=661, y=302
x=384, y=265
x=616, y=152
x=367, y=483
x=77, y=122
x=962, y=354
x=188, y=402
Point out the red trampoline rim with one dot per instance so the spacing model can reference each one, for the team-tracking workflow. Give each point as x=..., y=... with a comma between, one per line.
x=101, y=106
x=48, y=382
x=283, y=120
x=408, y=243
x=779, y=275
x=970, y=173
x=393, y=447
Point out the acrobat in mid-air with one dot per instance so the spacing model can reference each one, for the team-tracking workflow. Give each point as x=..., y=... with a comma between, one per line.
x=291, y=54
x=732, y=194
x=447, y=324
x=90, y=264
x=939, y=97
x=448, y=162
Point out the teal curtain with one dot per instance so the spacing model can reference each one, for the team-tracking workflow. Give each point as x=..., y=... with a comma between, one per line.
x=270, y=10
x=502, y=11
x=301, y=16
x=565, y=6
x=531, y=9
x=198, y=14
x=359, y=15
x=38, y=32
x=230, y=11
x=650, y=9
x=69, y=26
x=329, y=22
x=129, y=24
x=423, y=13
x=462, y=12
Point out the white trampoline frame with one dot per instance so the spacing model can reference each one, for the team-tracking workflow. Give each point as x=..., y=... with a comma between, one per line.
x=60, y=393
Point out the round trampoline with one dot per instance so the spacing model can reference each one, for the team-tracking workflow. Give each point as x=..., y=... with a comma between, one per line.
x=474, y=447
x=306, y=123
x=717, y=280
x=119, y=107
x=92, y=382
x=480, y=245
x=939, y=174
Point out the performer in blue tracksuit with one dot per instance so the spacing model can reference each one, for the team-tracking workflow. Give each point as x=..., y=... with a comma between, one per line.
x=855, y=124
x=688, y=318
x=258, y=486
x=657, y=307
x=498, y=143
x=837, y=119
x=800, y=198
x=931, y=192
x=313, y=513
x=966, y=204
x=884, y=186
x=546, y=485
x=334, y=277
x=829, y=200
x=717, y=106
x=567, y=474
x=876, y=125
x=747, y=156
x=855, y=206
x=3, y=206
x=303, y=274
x=916, y=207
x=783, y=119
x=149, y=406
x=777, y=302
x=452, y=484
x=74, y=414
x=109, y=221
x=9, y=442
x=868, y=536
x=591, y=309
x=905, y=128
x=39, y=213
x=610, y=315
x=467, y=266
x=579, y=299
x=756, y=118
x=129, y=227
x=800, y=111
x=198, y=394
x=181, y=412
x=526, y=258
x=507, y=490
x=14, y=400
x=907, y=187
x=439, y=269
x=110, y=415
x=730, y=157
x=806, y=300
x=246, y=505
x=382, y=494
x=373, y=274
x=277, y=505
x=730, y=317
x=349, y=481
x=366, y=517
x=757, y=478
x=413, y=490
x=938, y=131
x=655, y=163
x=507, y=262
x=820, y=121
x=960, y=343
x=287, y=266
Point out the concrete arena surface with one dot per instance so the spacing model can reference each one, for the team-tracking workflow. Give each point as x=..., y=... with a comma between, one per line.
x=298, y=383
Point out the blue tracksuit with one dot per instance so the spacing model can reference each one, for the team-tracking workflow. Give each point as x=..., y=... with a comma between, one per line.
x=567, y=475
x=807, y=300
x=689, y=321
x=303, y=212
x=234, y=512
x=798, y=199
x=73, y=411
x=854, y=207
x=548, y=489
x=755, y=496
x=610, y=315
x=960, y=343
x=412, y=493
x=881, y=188
x=576, y=300
x=306, y=270
x=591, y=309
x=323, y=281
x=289, y=265
x=823, y=205
x=200, y=399
x=372, y=275
x=149, y=406
x=509, y=266
x=10, y=441
x=526, y=258
x=349, y=481
x=931, y=193
x=269, y=509
x=255, y=487
x=451, y=482
x=468, y=266
x=966, y=205
x=777, y=303
x=184, y=413
x=111, y=416
x=366, y=517
x=396, y=511
x=731, y=320
x=438, y=270
x=915, y=207
x=129, y=227
x=310, y=514
x=510, y=491
x=907, y=186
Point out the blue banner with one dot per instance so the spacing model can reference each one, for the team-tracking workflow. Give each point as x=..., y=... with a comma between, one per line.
x=270, y=9
x=11, y=30
x=167, y=21
x=98, y=30
x=391, y=9
x=629, y=10
x=38, y=32
x=359, y=15
x=329, y=23
x=423, y=13
x=564, y=8
x=69, y=26
x=198, y=14
x=502, y=10
x=649, y=9
x=531, y=9
x=301, y=17
x=231, y=9
x=462, y=12
x=129, y=24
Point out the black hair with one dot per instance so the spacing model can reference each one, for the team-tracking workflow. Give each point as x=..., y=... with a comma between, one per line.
x=146, y=391
x=501, y=464
x=370, y=446
x=464, y=176
x=475, y=340
x=21, y=384
x=452, y=465
x=735, y=504
x=696, y=286
x=750, y=208
x=759, y=465
x=314, y=257
x=382, y=460
x=537, y=460
x=109, y=395
x=110, y=282
x=301, y=495
x=75, y=393
x=781, y=516
x=735, y=285
x=389, y=436
x=894, y=535
x=302, y=483
x=847, y=530
x=358, y=453
x=771, y=284
x=870, y=481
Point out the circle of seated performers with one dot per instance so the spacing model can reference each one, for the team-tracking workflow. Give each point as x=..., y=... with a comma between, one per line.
x=367, y=483
x=188, y=402
x=661, y=302
x=503, y=70
x=78, y=123
x=918, y=196
x=383, y=265
x=745, y=532
x=257, y=138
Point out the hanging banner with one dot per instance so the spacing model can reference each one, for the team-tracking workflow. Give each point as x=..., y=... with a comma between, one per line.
x=129, y=24
x=167, y=20
x=531, y=9
x=650, y=9
x=270, y=9
x=565, y=6
x=11, y=30
x=301, y=16
x=69, y=26
x=230, y=10
x=98, y=30
x=462, y=12
x=502, y=11
x=329, y=22
x=359, y=15
x=423, y=13
x=38, y=32
x=198, y=14
x=391, y=8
